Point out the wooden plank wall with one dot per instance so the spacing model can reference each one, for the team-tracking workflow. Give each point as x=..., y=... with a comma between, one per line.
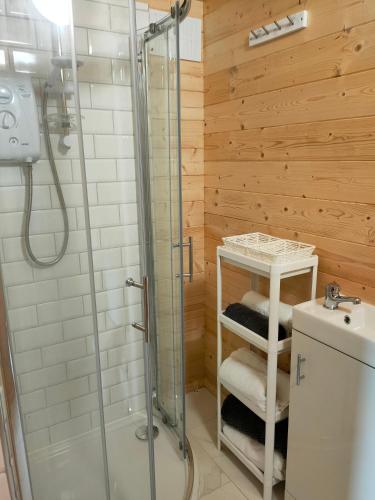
x=193, y=200
x=290, y=141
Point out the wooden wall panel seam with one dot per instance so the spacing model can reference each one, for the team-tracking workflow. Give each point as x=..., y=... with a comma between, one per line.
x=290, y=196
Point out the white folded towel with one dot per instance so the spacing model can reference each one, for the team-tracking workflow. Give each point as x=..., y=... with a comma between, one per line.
x=261, y=304
x=246, y=372
x=255, y=451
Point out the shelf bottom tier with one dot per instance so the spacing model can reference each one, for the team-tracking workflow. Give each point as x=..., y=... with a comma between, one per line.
x=254, y=469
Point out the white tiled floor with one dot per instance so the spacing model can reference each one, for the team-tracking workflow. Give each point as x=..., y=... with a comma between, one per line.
x=221, y=475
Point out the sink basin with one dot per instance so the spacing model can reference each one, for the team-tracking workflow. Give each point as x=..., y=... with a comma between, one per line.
x=349, y=329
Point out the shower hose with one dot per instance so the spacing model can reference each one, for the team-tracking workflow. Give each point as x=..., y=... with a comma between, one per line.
x=29, y=195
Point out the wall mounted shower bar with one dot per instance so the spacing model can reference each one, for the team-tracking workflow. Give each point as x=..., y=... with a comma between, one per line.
x=156, y=28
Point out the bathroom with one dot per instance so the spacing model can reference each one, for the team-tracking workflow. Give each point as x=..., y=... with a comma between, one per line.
x=134, y=137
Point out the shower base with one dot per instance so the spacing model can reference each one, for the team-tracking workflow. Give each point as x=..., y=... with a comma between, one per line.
x=71, y=470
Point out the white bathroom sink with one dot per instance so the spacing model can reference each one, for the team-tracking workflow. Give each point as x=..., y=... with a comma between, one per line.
x=349, y=329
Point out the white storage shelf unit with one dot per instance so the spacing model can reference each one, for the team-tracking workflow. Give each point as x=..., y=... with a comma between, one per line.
x=275, y=272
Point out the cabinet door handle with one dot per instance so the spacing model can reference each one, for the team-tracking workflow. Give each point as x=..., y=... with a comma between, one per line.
x=300, y=360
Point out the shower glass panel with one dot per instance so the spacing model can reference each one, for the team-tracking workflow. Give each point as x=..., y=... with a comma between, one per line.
x=78, y=364
x=116, y=228
x=74, y=227
x=162, y=61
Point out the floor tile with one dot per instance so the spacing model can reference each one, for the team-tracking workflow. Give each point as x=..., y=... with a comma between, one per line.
x=206, y=434
x=211, y=477
x=227, y=492
x=200, y=407
x=239, y=474
x=245, y=481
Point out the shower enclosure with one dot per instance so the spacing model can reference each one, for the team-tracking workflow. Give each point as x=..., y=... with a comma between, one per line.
x=92, y=272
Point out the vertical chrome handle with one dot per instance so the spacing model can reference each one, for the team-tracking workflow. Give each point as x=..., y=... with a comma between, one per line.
x=300, y=360
x=138, y=326
x=146, y=310
x=191, y=258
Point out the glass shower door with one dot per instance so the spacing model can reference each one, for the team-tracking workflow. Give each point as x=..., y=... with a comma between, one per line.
x=78, y=364
x=46, y=257
x=84, y=376
x=162, y=63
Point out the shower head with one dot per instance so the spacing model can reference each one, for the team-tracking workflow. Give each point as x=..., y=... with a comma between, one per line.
x=59, y=63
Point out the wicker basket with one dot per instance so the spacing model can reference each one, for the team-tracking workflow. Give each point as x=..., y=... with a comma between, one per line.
x=268, y=248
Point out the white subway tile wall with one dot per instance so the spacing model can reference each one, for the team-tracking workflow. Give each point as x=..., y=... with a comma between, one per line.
x=50, y=311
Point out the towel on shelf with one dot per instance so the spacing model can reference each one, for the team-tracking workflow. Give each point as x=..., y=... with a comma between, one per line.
x=261, y=304
x=252, y=320
x=241, y=418
x=255, y=451
x=247, y=373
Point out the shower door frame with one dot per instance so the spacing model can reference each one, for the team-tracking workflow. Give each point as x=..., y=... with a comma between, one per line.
x=140, y=86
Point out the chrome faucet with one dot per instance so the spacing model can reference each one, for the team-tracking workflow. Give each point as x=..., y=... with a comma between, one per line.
x=333, y=298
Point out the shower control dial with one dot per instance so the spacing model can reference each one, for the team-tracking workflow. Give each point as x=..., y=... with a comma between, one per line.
x=19, y=121
x=5, y=95
x=7, y=120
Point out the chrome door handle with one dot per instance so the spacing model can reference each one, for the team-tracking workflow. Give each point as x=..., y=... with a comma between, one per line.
x=136, y=284
x=189, y=244
x=145, y=328
x=191, y=258
x=300, y=360
x=138, y=326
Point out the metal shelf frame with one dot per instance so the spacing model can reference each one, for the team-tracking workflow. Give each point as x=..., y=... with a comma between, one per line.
x=273, y=347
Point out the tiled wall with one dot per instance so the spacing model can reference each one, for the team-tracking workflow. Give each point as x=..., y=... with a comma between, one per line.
x=50, y=309
x=190, y=35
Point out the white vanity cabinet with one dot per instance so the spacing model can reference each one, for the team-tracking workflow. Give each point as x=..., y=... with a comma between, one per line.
x=331, y=449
